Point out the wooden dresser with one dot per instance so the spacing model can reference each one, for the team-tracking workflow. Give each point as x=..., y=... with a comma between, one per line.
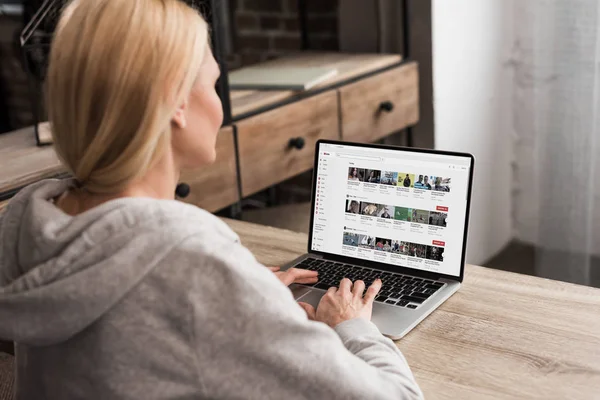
x=273, y=133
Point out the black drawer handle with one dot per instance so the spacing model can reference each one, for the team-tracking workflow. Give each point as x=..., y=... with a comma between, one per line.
x=183, y=190
x=386, y=106
x=297, y=143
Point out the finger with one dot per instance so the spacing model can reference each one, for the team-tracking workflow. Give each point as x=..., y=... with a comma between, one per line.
x=286, y=277
x=332, y=290
x=345, y=285
x=295, y=275
x=358, y=289
x=311, y=313
x=307, y=280
x=304, y=273
x=274, y=269
x=373, y=291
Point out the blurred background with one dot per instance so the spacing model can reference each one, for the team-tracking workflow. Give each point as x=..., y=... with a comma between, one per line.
x=516, y=83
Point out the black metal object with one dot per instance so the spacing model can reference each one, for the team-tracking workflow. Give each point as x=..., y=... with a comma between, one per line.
x=406, y=37
x=216, y=19
x=406, y=18
x=236, y=209
x=303, y=20
x=409, y=137
x=182, y=190
x=386, y=106
x=297, y=143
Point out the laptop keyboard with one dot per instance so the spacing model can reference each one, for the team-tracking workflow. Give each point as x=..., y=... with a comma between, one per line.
x=397, y=289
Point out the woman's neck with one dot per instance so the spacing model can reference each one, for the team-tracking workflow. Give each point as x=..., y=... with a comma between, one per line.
x=159, y=182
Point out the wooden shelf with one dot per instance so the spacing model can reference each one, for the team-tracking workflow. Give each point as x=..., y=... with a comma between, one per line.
x=349, y=66
x=23, y=162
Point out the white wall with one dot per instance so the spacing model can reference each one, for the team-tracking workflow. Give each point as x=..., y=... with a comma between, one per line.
x=472, y=100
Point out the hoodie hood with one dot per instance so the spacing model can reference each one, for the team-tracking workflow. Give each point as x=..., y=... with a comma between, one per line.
x=59, y=273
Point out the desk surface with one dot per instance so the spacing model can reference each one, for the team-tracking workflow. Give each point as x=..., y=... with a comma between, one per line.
x=503, y=335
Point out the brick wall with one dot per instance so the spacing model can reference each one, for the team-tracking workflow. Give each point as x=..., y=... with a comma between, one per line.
x=260, y=29
x=264, y=29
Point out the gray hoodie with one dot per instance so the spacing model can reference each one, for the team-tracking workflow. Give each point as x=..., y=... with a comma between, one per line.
x=153, y=299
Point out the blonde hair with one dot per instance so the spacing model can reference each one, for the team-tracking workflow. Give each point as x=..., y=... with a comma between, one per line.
x=118, y=71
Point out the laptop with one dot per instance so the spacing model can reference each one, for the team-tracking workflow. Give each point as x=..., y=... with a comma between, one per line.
x=399, y=214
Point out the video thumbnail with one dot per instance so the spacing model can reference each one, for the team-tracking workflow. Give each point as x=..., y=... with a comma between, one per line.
x=405, y=248
x=417, y=250
x=368, y=209
x=403, y=214
x=419, y=183
x=435, y=253
x=406, y=180
x=350, y=239
x=382, y=244
x=386, y=212
x=389, y=178
x=366, y=241
x=437, y=218
x=424, y=182
x=442, y=184
x=372, y=176
x=396, y=247
x=356, y=174
x=420, y=216
x=352, y=206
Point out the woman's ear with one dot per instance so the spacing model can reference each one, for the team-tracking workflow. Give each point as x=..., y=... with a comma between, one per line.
x=179, y=118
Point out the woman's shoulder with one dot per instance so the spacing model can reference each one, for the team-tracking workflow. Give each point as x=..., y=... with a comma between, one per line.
x=176, y=216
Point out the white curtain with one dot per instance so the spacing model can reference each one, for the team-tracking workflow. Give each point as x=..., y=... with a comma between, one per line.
x=556, y=128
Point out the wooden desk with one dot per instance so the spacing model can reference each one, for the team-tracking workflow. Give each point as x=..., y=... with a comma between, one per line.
x=502, y=336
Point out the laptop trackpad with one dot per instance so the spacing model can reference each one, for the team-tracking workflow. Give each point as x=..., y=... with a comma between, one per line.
x=307, y=295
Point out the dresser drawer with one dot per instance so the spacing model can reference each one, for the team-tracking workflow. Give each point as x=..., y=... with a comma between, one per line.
x=375, y=107
x=280, y=143
x=214, y=187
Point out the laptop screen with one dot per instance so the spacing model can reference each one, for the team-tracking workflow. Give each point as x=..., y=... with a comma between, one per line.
x=398, y=207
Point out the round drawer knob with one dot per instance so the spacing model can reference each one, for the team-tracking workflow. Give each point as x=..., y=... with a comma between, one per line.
x=297, y=143
x=183, y=190
x=386, y=106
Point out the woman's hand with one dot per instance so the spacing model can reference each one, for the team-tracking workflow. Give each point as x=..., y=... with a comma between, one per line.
x=345, y=303
x=295, y=275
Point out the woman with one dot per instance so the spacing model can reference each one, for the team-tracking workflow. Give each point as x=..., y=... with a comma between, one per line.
x=373, y=178
x=113, y=290
x=353, y=175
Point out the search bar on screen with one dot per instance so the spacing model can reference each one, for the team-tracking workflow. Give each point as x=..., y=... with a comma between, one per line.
x=358, y=157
